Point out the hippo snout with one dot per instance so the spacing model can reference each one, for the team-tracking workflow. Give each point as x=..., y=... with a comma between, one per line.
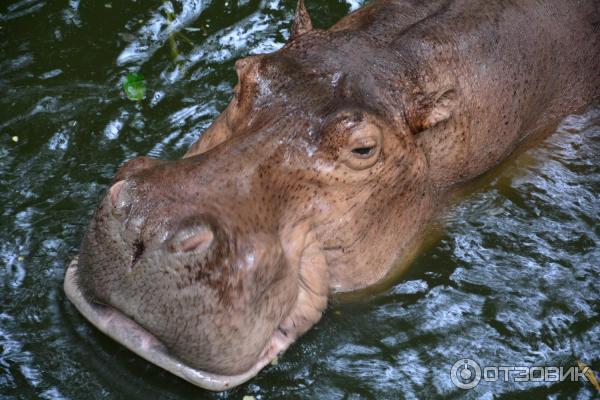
x=211, y=291
x=197, y=253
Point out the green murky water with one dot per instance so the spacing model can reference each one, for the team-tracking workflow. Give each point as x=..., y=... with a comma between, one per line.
x=513, y=280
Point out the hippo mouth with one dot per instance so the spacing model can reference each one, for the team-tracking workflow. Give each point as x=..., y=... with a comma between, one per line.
x=128, y=333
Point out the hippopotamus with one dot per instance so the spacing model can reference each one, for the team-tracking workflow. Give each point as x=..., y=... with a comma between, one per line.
x=322, y=173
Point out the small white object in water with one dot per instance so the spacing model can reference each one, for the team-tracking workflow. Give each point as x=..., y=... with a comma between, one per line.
x=15, y=139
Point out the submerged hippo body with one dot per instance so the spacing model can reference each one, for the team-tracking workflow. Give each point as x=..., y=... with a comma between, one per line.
x=322, y=172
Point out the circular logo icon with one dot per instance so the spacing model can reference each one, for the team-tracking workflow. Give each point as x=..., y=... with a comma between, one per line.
x=465, y=373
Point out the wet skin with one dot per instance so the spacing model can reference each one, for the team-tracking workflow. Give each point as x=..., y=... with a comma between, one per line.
x=321, y=173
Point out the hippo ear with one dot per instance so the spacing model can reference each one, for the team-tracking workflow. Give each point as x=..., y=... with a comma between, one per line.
x=432, y=110
x=302, y=21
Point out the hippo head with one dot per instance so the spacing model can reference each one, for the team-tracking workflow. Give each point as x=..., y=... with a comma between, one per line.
x=311, y=180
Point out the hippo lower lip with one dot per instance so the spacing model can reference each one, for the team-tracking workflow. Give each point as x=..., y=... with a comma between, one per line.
x=121, y=328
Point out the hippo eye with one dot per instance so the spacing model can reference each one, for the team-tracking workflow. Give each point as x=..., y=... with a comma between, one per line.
x=364, y=146
x=364, y=151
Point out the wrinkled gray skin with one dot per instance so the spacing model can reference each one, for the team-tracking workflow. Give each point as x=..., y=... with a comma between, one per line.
x=322, y=171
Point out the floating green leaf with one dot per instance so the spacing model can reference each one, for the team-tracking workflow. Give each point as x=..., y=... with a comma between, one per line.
x=134, y=86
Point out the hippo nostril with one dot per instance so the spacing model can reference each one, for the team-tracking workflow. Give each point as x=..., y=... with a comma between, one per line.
x=114, y=192
x=196, y=239
x=138, y=250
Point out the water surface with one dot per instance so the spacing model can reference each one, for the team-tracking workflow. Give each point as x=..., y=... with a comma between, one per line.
x=512, y=280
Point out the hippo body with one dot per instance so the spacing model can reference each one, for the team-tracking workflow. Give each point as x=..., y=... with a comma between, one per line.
x=322, y=172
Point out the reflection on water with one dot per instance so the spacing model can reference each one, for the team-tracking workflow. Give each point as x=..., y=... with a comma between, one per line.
x=512, y=281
